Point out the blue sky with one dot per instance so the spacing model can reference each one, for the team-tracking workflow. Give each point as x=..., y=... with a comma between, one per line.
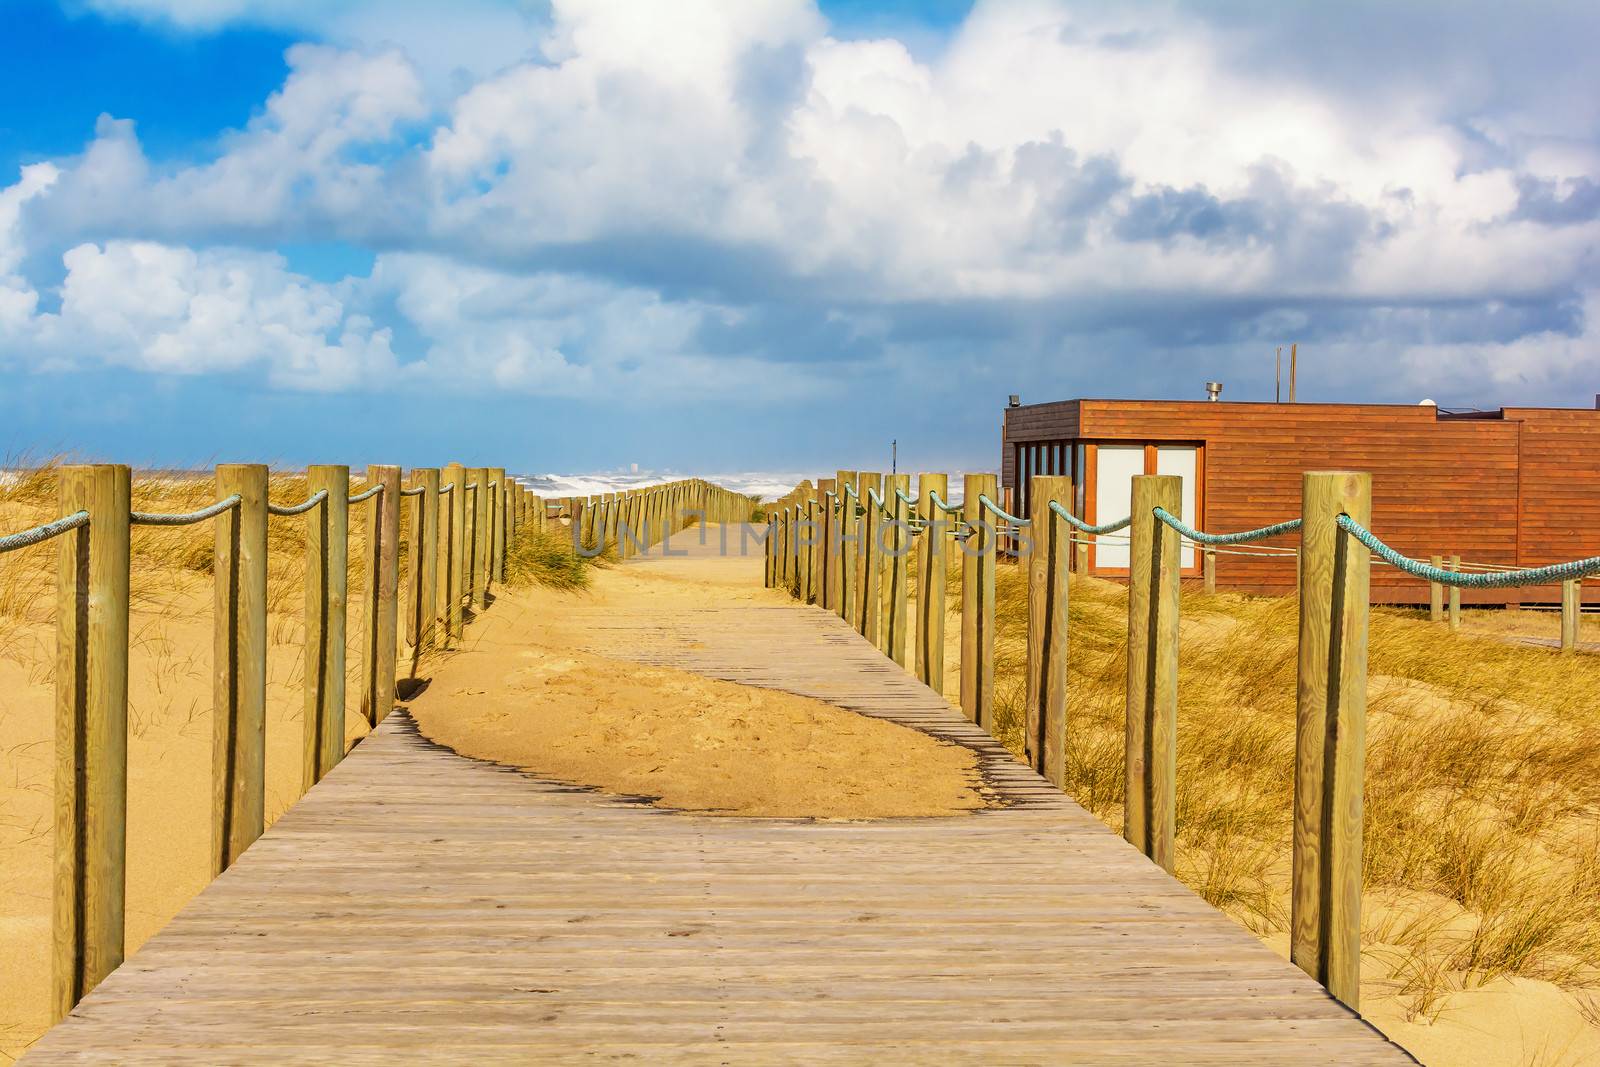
x=576, y=235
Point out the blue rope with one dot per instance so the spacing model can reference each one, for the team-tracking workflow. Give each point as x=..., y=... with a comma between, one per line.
x=298, y=509
x=938, y=502
x=1242, y=537
x=1077, y=523
x=152, y=518
x=1555, y=572
x=998, y=510
x=34, y=536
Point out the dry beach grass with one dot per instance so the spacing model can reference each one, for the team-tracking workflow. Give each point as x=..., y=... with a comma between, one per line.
x=1482, y=835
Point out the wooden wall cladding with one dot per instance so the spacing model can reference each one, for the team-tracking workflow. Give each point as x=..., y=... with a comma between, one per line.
x=1440, y=484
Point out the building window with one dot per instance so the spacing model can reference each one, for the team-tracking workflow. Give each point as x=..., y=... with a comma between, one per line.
x=1114, y=466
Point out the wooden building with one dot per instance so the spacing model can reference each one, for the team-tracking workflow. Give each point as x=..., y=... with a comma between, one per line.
x=1513, y=487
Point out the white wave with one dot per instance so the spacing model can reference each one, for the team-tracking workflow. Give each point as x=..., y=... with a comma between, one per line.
x=767, y=484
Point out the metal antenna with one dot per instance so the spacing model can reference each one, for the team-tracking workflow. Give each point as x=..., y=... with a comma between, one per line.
x=894, y=456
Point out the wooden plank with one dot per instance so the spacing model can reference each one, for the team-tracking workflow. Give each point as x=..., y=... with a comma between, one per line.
x=424, y=907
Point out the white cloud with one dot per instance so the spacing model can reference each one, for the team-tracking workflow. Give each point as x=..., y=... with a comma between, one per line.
x=624, y=192
x=174, y=310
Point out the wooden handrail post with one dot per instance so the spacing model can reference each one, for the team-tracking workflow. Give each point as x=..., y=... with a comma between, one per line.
x=870, y=572
x=1208, y=568
x=827, y=546
x=1436, y=593
x=327, y=590
x=453, y=576
x=383, y=535
x=896, y=543
x=1571, y=612
x=1330, y=733
x=424, y=564
x=239, y=664
x=977, y=602
x=480, y=537
x=501, y=526
x=1455, y=597
x=769, y=548
x=91, y=787
x=1049, y=559
x=826, y=559
x=780, y=563
x=845, y=582
x=1151, y=747
x=932, y=564
x=813, y=549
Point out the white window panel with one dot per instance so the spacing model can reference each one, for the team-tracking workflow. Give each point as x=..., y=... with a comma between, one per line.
x=1183, y=463
x=1115, y=468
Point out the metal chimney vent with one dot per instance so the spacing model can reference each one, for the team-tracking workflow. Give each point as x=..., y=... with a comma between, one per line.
x=1213, y=391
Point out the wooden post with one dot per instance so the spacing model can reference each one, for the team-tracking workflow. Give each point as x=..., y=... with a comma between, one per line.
x=1330, y=733
x=1571, y=612
x=480, y=537
x=871, y=570
x=454, y=571
x=827, y=533
x=806, y=538
x=239, y=665
x=424, y=564
x=1045, y=732
x=1455, y=597
x=327, y=587
x=977, y=602
x=768, y=546
x=866, y=482
x=383, y=536
x=896, y=544
x=1436, y=593
x=845, y=549
x=500, y=526
x=1151, y=745
x=91, y=788
x=1208, y=568
x=932, y=568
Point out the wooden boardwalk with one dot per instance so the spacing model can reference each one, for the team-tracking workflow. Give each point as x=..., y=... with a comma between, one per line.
x=421, y=907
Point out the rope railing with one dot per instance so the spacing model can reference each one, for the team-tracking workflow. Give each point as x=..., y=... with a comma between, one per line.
x=1083, y=527
x=185, y=518
x=40, y=534
x=454, y=553
x=298, y=509
x=1548, y=575
x=1276, y=529
x=996, y=509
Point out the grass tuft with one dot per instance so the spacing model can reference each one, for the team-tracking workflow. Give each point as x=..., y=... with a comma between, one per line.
x=1482, y=786
x=546, y=558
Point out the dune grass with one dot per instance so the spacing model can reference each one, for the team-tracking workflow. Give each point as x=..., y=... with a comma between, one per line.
x=1482, y=830
x=540, y=557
